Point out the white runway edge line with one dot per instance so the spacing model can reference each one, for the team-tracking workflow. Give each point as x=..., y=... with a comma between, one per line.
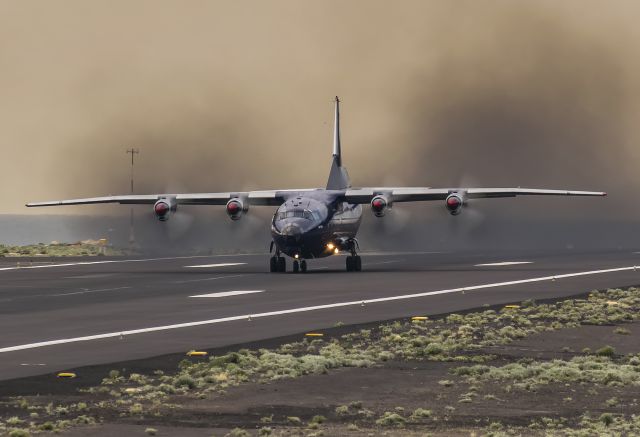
x=505, y=263
x=206, y=266
x=229, y=293
x=88, y=263
x=306, y=309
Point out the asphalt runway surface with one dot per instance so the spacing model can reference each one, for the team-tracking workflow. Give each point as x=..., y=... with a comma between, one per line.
x=59, y=314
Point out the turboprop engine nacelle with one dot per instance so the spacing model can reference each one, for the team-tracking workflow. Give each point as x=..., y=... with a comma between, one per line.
x=454, y=203
x=163, y=208
x=235, y=208
x=379, y=205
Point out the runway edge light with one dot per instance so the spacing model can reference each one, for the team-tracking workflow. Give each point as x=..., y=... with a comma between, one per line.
x=419, y=318
x=66, y=375
x=197, y=353
x=314, y=334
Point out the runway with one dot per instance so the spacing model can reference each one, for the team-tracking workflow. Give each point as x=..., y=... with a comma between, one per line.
x=62, y=314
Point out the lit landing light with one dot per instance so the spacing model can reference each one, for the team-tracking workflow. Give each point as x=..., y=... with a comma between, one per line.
x=296, y=256
x=336, y=251
x=330, y=246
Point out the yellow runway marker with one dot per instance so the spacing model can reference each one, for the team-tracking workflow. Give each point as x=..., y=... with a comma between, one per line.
x=511, y=307
x=66, y=375
x=197, y=353
x=419, y=318
x=314, y=334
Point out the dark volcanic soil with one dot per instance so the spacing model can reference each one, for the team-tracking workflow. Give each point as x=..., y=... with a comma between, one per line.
x=392, y=386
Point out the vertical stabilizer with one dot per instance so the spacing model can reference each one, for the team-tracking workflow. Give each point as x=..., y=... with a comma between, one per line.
x=338, y=177
x=336, y=135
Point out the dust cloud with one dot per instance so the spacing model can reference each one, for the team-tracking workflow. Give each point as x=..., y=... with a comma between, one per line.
x=224, y=96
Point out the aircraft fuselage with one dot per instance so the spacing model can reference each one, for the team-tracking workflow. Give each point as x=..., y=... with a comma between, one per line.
x=315, y=224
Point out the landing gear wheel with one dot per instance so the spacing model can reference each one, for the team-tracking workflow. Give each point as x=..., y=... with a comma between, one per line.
x=273, y=264
x=303, y=266
x=282, y=264
x=354, y=263
x=296, y=266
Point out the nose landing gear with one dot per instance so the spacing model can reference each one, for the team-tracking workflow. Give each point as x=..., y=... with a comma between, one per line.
x=299, y=266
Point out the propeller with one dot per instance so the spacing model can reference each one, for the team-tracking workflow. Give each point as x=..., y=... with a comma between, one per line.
x=470, y=219
x=397, y=218
x=183, y=219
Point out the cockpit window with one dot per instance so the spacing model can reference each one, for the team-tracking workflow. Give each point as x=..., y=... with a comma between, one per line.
x=300, y=213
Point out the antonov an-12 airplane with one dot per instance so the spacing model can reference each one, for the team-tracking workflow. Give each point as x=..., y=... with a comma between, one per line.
x=317, y=222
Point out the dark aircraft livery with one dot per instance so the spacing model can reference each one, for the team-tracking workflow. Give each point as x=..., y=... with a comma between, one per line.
x=315, y=223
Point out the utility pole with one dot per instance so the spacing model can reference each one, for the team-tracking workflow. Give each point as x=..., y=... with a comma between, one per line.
x=132, y=238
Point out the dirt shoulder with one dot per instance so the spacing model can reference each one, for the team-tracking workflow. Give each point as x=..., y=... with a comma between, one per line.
x=557, y=368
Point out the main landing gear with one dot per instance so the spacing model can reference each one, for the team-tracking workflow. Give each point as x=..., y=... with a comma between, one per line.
x=354, y=263
x=277, y=264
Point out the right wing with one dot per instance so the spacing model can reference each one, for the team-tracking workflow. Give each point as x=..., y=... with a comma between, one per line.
x=264, y=198
x=421, y=194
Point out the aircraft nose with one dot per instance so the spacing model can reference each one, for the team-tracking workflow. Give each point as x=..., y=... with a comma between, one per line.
x=292, y=230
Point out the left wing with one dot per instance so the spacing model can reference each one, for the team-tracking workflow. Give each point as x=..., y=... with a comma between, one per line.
x=264, y=198
x=420, y=194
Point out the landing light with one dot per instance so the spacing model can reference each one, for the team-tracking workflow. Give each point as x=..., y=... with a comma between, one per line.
x=296, y=256
x=336, y=251
x=330, y=246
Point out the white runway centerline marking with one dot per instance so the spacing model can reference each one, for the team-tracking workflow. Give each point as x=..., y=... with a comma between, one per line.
x=209, y=279
x=86, y=291
x=307, y=309
x=504, y=263
x=89, y=263
x=206, y=266
x=229, y=293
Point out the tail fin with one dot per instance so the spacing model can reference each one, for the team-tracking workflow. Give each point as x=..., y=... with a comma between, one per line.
x=338, y=177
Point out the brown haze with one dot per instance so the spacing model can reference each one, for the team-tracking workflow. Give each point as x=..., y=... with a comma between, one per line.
x=237, y=95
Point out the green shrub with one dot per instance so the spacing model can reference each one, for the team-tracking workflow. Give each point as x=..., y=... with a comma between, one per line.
x=318, y=419
x=606, y=351
x=85, y=420
x=606, y=418
x=47, y=426
x=391, y=419
x=293, y=420
x=622, y=331
x=420, y=413
x=342, y=410
x=434, y=349
x=612, y=402
x=185, y=381
x=136, y=409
